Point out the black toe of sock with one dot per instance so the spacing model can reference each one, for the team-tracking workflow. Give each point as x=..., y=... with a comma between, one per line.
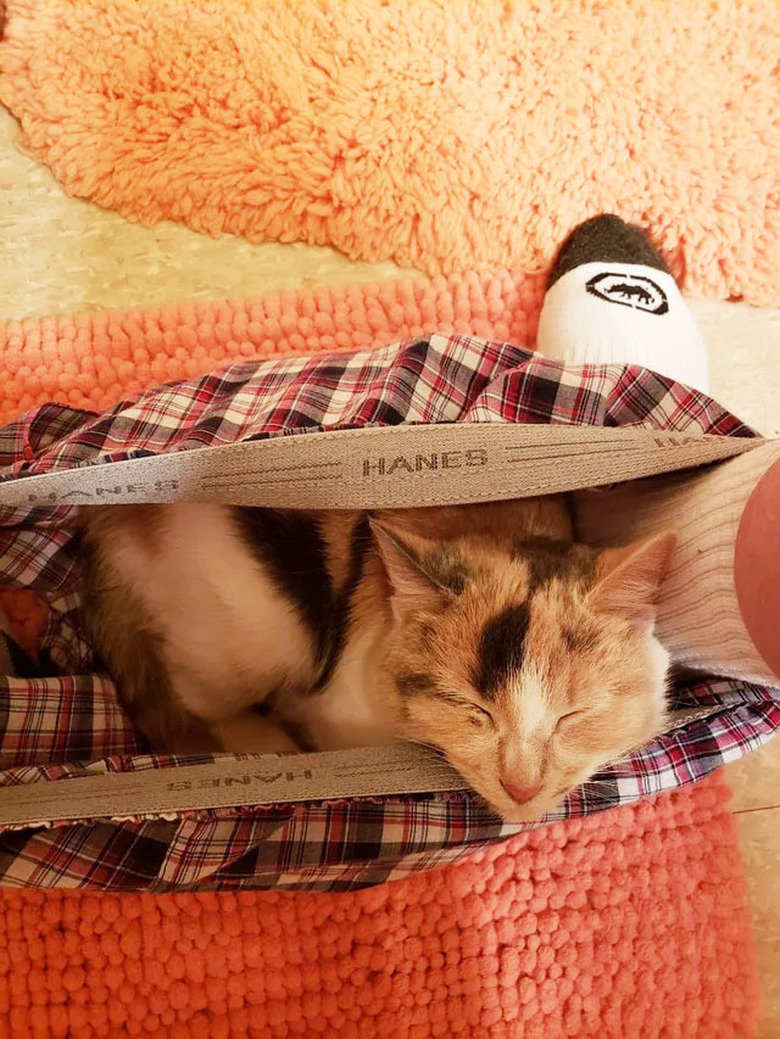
x=605, y=239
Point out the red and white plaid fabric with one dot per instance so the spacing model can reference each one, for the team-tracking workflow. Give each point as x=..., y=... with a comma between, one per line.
x=53, y=728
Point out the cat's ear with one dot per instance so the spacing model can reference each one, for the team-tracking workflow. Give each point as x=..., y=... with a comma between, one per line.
x=629, y=579
x=425, y=574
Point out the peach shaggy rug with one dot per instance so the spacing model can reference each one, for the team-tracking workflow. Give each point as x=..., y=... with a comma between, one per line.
x=445, y=136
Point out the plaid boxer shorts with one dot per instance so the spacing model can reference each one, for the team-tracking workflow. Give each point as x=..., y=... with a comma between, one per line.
x=60, y=719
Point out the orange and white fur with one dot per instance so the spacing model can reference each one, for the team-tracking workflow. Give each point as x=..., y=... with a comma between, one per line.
x=484, y=631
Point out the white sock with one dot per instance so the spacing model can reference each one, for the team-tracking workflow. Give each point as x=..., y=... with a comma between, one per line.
x=611, y=299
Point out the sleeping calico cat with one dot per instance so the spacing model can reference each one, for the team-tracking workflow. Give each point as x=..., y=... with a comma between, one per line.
x=484, y=631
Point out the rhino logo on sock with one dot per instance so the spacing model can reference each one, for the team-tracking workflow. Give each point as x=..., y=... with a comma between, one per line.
x=629, y=290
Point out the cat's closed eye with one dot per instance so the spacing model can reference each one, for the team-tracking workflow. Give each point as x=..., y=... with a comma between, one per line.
x=568, y=721
x=477, y=715
x=480, y=717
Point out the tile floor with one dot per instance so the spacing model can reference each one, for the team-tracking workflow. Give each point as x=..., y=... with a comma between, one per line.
x=61, y=255
x=755, y=782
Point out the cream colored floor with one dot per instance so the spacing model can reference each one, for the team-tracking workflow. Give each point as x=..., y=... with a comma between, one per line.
x=60, y=255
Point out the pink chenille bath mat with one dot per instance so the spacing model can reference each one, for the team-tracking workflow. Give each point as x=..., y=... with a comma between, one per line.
x=94, y=360
x=629, y=924
x=445, y=136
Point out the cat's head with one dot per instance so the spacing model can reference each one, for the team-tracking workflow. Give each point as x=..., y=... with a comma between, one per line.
x=529, y=666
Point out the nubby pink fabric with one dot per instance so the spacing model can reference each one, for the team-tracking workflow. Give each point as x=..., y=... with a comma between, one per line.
x=94, y=360
x=625, y=925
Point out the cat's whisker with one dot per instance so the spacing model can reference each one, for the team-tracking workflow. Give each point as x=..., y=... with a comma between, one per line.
x=423, y=743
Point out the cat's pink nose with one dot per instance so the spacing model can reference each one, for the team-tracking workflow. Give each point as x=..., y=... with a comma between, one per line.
x=521, y=794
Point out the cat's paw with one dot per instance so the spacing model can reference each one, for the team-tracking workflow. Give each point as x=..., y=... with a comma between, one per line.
x=252, y=733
